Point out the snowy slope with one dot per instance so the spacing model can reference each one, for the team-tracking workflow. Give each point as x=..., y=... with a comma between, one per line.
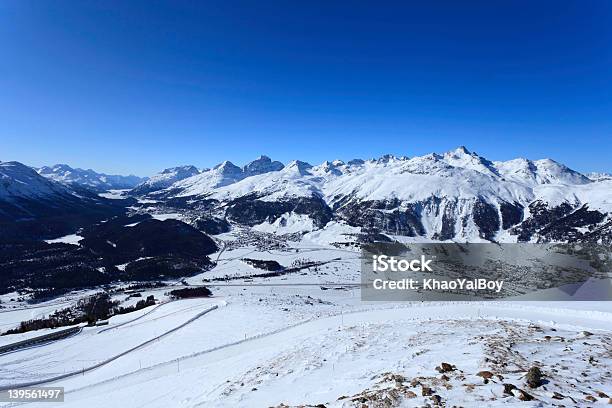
x=544, y=171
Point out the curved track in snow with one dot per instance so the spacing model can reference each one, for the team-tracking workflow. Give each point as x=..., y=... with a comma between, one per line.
x=108, y=360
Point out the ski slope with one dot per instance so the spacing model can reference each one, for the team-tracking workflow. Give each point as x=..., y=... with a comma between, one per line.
x=252, y=353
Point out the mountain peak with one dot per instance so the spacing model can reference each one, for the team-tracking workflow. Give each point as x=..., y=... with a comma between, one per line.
x=356, y=162
x=543, y=171
x=262, y=165
x=387, y=158
x=59, y=166
x=185, y=168
x=462, y=150
x=299, y=166
x=228, y=168
x=463, y=158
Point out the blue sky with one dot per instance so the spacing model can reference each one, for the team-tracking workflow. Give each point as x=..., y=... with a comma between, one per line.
x=132, y=86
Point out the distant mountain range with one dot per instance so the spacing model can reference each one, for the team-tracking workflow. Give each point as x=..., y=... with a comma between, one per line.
x=457, y=195
x=65, y=174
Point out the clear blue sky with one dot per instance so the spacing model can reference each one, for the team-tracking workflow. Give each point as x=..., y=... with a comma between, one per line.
x=132, y=86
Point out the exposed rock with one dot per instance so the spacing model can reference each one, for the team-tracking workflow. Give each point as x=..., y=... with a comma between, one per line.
x=445, y=368
x=524, y=396
x=388, y=216
x=262, y=165
x=534, y=377
x=426, y=391
x=410, y=394
x=165, y=179
x=508, y=388
x=558, y=396
x=485, y=374
x=249, y=210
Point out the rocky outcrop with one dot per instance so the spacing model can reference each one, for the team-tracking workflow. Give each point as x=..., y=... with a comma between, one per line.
x=250, y=210
x=384, y=216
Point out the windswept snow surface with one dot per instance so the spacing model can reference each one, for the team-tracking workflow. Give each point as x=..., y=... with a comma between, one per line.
x=251, y=353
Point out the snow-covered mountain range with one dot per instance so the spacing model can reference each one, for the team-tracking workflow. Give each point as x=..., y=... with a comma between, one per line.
x=599, y=176
x=88, y=178
x=456, y=195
